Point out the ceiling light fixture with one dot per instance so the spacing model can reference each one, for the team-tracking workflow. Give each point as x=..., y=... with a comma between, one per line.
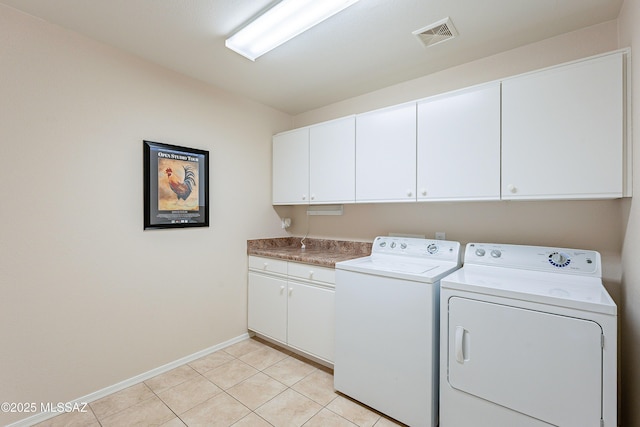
x=281, y=23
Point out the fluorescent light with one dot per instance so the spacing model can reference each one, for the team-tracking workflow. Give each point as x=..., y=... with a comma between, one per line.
x=281, y=23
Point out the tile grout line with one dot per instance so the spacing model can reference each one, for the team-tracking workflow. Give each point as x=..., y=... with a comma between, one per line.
x=316, y=367
x=275, y=379
x=288, y=387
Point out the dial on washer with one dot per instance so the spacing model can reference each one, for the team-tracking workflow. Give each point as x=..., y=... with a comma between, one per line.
x=558, y=259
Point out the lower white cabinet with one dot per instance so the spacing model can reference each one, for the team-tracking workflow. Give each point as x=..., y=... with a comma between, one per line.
x=310, y=325
x=268, y=305
x=293, y=305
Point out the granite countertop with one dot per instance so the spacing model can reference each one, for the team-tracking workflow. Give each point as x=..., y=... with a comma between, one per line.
x=317, y=251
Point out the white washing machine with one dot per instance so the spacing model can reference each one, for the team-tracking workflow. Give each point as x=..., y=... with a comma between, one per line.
x=387, y=325
x=528, y=339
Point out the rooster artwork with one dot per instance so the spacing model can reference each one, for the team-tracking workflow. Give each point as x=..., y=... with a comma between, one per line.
x=182, y=189
x=177, y=181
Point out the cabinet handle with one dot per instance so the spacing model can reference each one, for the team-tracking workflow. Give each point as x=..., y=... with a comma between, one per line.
x=512, y=188
x=310, y=274
x=290, y=291
x=281, y=289
x=266, y=264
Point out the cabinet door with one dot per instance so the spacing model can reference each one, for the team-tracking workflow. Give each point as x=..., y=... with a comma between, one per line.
x=562, y=132
x=459, y=145
x=311, y=319
x=332, y=161
x=291, y=167
x=386, y=155
x=268, y=306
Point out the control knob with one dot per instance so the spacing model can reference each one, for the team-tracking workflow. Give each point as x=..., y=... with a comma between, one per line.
x=480, y=252
x=558, y=259
x=432, y=248
x=496, y=253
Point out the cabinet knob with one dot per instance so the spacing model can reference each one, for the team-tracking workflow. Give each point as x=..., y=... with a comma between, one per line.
x=313, y=197
x=304, y=197
x=409, y=193
x=290, y=291
x=423, y=192
x=281, y=289
x=310, y=273
x=512, y=188
x=266, y=264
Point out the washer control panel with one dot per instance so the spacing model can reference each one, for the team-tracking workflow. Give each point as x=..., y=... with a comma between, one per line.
x=539, y=258
x=416, y=247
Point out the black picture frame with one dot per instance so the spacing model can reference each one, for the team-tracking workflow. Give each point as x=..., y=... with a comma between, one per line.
x=176, y=186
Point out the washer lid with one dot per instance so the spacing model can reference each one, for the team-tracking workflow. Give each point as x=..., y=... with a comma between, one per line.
x=428, y=271
x=408, y=258
x=563, y=290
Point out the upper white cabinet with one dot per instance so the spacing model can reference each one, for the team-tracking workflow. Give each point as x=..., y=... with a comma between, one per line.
x=557, y=133
x=315, y=164
x=386, y=155
x=291, y=167
x=332, y=161
x=459, y=145
x=563, y=131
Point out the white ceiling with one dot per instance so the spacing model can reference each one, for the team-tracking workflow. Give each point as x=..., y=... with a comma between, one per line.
x=366, y=47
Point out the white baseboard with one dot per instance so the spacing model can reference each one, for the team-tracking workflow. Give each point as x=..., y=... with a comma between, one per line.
x=91, y=397
x=297, y=351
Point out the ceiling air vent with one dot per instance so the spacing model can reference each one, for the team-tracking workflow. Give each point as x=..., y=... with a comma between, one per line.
x=437, y=32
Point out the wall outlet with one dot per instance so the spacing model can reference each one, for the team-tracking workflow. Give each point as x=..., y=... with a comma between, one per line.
x=441, y=235
x=286, y=222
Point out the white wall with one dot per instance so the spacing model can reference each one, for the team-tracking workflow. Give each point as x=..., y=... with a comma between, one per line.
x=87, y=298
x=556, y=50
x=630, y=301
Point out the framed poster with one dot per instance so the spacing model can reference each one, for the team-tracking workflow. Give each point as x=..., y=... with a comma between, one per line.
x=176, y=186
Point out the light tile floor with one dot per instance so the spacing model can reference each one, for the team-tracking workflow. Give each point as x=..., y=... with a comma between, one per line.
x=251, y=383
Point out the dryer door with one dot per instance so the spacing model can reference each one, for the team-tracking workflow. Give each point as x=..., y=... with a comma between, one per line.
x=543, y=365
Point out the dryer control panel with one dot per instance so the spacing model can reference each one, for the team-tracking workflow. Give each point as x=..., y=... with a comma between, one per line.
x=537, y=258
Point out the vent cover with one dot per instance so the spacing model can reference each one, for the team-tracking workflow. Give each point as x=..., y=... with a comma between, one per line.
x=437, y=32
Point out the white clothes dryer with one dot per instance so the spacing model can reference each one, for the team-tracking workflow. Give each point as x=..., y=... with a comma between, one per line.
x=528, y=339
